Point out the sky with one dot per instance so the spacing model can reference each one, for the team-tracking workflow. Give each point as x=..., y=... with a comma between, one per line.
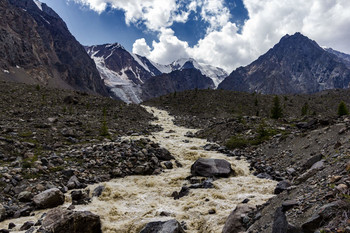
x=223, y=33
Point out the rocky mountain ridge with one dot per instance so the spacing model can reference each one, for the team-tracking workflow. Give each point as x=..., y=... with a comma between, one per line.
x=127, y=74
x=295, y=65
x=37, y=47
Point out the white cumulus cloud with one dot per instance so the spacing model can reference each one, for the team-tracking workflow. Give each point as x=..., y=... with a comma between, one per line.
x=326, y=21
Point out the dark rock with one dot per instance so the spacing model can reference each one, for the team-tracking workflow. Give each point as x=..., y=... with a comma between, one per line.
x=27, y=225
x=80, y=197
x=280, y=223
x=322, y=214
x=164, y=155
x=11, y=225
x=287, y=205
x=63, y=221
x=49, y=198
x=98, y=191
x=23, y=211
x=4, y=231
x=312, y=161
x=189, y=134
x=25, y=196
x=183, y=192
x=281, y=186
x=212, y=211
x=171, y=226
x=234, y=223
x=245, y=201
x=264, y=176
x=211, y=168
x=168, y=164
x=74, y=183
x=71, y=100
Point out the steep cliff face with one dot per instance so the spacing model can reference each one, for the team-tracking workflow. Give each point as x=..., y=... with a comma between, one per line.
x=37, y=47
x=176, y=81
x=295, y=65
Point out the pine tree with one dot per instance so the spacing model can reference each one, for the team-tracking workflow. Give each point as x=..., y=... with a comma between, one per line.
x=342, y=109
x=276, y=111
x=304, y=109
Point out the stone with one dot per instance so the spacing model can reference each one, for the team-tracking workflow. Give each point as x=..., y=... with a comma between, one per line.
x=312, y=161
x=61, y=220
x=189, y=134
x=281, y=186
x=49, y=198
x=168, y=164
x=80, y=197
x=309, y=173
x=211, y=168
x=25, y=196
x=11, y=225
x=289, y=204
x=170, y=226
x=98, y=191
x=342, y=188
x=264, y=176
x=27, y=225
x=334, y=179
x=183, y=192
x=234, y=223
x=74, y=183
x=281, y=225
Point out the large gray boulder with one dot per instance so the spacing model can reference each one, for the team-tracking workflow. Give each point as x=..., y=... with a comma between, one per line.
x=171, y=226
x=49, y=198
x=2, y=212
x=234, y=223
x=211, y=167
x=60, y=220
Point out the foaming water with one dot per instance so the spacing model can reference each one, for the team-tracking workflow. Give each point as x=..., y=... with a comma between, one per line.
x=127, y=204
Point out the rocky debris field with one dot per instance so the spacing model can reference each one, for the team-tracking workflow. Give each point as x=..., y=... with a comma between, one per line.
x=309, y=155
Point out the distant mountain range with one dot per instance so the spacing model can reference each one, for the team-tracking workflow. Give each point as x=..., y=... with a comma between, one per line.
x=129, y=75
x=36, y=47
x=295, y=65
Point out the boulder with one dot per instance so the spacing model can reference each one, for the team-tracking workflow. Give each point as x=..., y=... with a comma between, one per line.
x=234, y=223
x=61, y=220
x=25, y=196
x=171, y=226
x=211, y=168
x=281, y=186
x=49, y=198
x=281, y=225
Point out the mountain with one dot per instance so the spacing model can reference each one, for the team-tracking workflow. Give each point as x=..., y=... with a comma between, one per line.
x=37, y=47
x=123, y=72
x=345, y=58
x=215, y=73
x=295, y=65
x=126, y=73
x=176, y=81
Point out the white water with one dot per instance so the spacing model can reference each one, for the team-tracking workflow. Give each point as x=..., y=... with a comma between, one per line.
x=127, y=204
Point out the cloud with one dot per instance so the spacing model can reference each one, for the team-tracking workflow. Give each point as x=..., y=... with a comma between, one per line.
x=326, y=21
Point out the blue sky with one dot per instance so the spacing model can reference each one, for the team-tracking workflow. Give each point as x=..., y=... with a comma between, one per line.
x=91, y=28
x=223, y=33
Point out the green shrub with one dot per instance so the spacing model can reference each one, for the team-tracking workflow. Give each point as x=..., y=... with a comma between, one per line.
x=342, y=109
x=276, y=111
x=304, y=109
x=236, y=142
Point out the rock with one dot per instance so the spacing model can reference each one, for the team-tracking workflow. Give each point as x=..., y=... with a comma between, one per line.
x=312, y=171
x=312, y=161
x=49, y=198
x=164, y=155
x=291, y=171
x=264, y=176
x=60, y=220
x=27, y=225
x=206, y=184
x=168, y=164
x=11, y=225
x=189, y=134
x=322, y=214
x=25, y=196
x=281, y=186
x=280, y=223
x=212, y=211
x=183, y=192
x=234, y=223
x=98, y=191
x=342, y=188
x=2, y=212
x=4, y=231
x=334, y=179
x=170, y=226
x=211, y=168
x=74, y=183
x=80, y=198
x=287, y=205
x=70, y=100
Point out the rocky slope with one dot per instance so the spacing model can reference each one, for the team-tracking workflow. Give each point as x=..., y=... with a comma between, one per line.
x=343, y=56
x=37, y=47
x=295, y=65
x=175, y=81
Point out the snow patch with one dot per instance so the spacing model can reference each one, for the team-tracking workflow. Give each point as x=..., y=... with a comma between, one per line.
x=45, y=19
x=6, y=71
x=39, y=4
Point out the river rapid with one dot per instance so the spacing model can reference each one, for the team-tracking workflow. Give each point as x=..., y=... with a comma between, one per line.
x=127, y=204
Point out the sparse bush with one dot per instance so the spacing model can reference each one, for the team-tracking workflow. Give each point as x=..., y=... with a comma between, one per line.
x=342, y=109
x=276, y=111
x=304, y=109
x=236, y=142
x=104, y=127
